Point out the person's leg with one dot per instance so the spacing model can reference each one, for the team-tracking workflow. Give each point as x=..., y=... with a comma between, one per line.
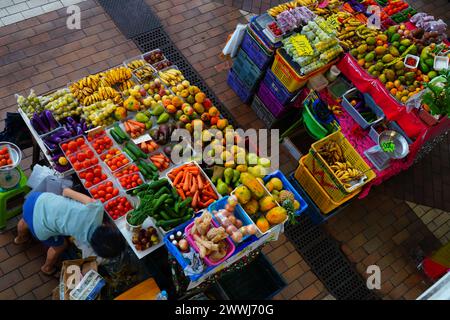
x=23, y=233
x=53, y=255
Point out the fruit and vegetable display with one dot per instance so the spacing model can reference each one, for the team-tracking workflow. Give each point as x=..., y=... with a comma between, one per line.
x=233, y=225
x=100, y=142
x=131, y=181
x=116, y=160
x=104, y=191
x=437, y=95
x=145, y=238
x=171, y=76
x=161, y=161
x=162, y=203
x=154, y=56
x=92, y=176
x=208, y=240
x=190, y=182
x=132, y=168
x=5, y=158
x=283, y=196
x=118, y=207
x=259, y=204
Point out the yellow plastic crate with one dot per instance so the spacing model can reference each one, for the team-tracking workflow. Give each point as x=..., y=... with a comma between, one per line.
x=287, y=74
x=350, y=154
x=315, y=191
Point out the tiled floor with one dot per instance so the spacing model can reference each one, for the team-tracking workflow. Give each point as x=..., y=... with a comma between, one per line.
x=41, y=53
x=12, y=11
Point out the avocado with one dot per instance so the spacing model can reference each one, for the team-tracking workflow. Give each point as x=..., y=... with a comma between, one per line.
x=369, y=57
x=394, y=51
x=387, y=58
x=399, y=65
x=395, y=37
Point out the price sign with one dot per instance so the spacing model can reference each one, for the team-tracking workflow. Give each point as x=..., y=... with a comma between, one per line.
x=302, y=45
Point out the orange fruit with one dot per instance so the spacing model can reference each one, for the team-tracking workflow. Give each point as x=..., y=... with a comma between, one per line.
x=393, y=91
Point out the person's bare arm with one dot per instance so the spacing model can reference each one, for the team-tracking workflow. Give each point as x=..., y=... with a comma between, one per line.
x=84, y=199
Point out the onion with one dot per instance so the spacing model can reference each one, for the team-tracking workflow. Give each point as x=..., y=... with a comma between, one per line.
x=238, y=223
x=183, y=244
x=236, y=236
x=231, y=229
x=251, y=229
x=232, y=218
x=226, y=222
x=229, y=208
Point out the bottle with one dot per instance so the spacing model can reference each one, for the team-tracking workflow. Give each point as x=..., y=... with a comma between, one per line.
x=162, y=295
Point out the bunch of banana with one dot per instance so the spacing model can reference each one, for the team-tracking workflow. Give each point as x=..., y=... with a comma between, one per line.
x=331, y=152
x=331, y=8
x=114, y=76
x=171, y=77
x=336, y=109
x=126, y=85
x=363, y=32
x=103, y=93
x=133, y=65
x=144, y=73
x=345, y=172
x=85, y=87
x=347, y=36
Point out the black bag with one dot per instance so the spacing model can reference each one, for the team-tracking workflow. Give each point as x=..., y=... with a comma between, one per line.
x=16, y=131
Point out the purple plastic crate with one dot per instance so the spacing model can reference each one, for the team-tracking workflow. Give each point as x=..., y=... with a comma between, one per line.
x=271, y=102
x=255, y=52
x=277, y=88
x=241, y=90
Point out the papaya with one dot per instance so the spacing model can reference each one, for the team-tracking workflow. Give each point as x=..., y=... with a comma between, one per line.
x=262, y=224
x=267, y=203
x=252, y=207
x=243, y=194
x=252, y=184
x=276, y=215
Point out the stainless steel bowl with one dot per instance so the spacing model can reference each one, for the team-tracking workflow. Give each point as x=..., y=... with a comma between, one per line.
x=401, y=145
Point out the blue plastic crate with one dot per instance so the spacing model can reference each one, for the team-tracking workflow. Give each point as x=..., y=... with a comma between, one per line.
x=277, y=88
x=244, y=93
x=246, y=70
x=238, y=212
x=255, y=52
x=288, y=186
x=356, y=115
x=177, y=254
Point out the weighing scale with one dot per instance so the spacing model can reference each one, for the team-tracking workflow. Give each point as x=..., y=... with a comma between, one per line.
x=381, y=158
x=13, y=185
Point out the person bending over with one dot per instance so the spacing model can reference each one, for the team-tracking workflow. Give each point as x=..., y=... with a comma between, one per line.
x=52, y=219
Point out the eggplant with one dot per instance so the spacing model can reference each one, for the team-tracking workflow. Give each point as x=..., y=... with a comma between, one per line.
x=40, y=125
x=84, y=125
x=47, y=115
x=79, y=130
x=60, y=168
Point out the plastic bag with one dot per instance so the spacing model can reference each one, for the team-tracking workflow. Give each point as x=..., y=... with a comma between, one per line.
x=436, y=26
x=44, y=179
x=232, y=46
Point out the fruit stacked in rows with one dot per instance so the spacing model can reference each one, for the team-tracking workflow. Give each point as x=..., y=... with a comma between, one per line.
x=132, y=168
x=93, y=176
x=104, y=191
x=115, y=159
x=5, y=159
x=83, y=159
x=118, y=207
x=131, y=181
x=100, y=142
x=73, y=146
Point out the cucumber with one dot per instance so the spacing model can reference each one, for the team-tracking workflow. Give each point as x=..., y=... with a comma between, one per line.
x=142, y=170
x=152, y=166
x=157, y=184
x=172, y=222
x=115, y=136
x=120, y=132
x=129, y=153
x=149, y=168
x=138, y=152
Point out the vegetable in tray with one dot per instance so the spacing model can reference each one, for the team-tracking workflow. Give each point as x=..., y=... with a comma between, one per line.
x=44, y=122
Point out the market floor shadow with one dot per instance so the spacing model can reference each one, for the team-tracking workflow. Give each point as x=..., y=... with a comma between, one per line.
x=427, y=182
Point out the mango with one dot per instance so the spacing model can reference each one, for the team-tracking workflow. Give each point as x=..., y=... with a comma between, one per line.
x=399, y=65
x=362, y=48
x=276, y=215
x=387, y=58
x=394, y=51
x=253, y=185
x=243, y=194
x=390, y=74
x=251, y=207
x=380, y=50
x=369, y=57
x=267, y=203
x=277, y=184
x=262, y=224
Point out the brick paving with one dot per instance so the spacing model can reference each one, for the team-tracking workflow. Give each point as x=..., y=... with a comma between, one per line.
x=41, y=53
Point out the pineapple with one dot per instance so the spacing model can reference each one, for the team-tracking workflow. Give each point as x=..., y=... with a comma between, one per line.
x=286, y=195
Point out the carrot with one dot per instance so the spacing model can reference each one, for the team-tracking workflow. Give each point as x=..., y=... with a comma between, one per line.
x=195, y=199
x=200, y=182
x=137, y=123
x=171, y=176
x=193, y=170
x=194, y=187
x=127, y=126
x=208, y=194
x=207, y=203
x=187, y=182
x=177, y=178
x=181, y=193
x=176, y=170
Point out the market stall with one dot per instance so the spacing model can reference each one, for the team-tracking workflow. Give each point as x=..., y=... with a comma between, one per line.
x=372, y=89
x=112, y=132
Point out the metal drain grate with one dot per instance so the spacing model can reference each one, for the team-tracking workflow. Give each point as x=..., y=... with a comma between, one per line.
x=132, y=17
x=326, y=260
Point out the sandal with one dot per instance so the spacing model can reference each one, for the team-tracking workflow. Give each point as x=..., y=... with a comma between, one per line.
x=50, y=273
x=17, y=242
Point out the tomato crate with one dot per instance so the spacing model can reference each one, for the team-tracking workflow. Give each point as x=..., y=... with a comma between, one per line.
x=316, y=192
x=277, y=88
x=244, y=93
x=289, y=75
x=104, y=191
x=324, y=170
x=246, y=70
x=271, y=102
x=255, y=51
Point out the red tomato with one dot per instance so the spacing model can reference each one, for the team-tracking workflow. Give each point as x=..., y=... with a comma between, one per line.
x=90, y=176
